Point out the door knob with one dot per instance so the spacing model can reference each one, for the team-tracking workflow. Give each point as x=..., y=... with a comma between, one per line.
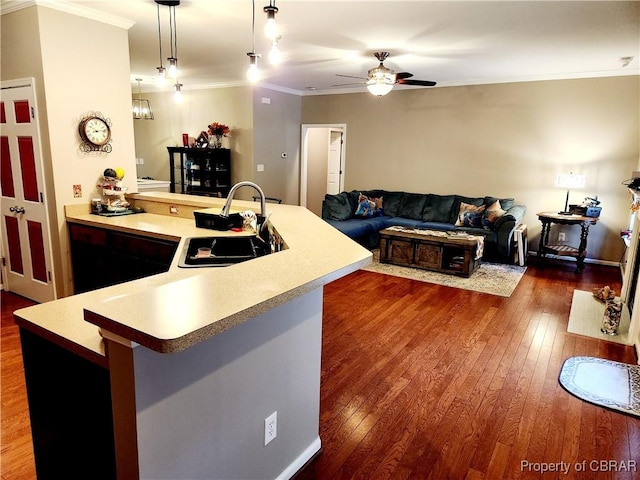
x=17, y=209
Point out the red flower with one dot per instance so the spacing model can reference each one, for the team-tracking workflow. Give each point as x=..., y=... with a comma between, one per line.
x=218, y=129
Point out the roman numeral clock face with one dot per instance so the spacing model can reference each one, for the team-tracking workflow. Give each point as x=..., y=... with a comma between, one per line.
x=95, y=132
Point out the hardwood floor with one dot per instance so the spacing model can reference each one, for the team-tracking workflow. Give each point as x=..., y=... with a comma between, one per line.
x=425, y=381
x=16, y=450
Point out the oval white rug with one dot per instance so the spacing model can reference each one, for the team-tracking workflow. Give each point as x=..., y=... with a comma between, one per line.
x=602, y=382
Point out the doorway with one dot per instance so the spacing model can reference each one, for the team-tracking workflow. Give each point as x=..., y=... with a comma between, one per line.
x=26, y=237
x=322, y=163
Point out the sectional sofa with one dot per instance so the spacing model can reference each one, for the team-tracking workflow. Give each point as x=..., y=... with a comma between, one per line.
x=361, y=214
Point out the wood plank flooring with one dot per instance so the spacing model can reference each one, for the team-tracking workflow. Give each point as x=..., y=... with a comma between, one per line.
x=421, y=381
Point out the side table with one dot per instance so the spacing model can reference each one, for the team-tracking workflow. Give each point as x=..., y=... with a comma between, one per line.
x=548, y=218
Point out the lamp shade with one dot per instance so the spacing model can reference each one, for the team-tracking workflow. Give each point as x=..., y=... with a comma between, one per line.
x=141, y=109
x=379, y=88
x=570, y=181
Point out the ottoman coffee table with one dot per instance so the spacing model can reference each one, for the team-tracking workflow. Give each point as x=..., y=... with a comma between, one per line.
x=456, y=253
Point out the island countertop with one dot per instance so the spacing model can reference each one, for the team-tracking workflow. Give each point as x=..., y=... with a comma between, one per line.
x=172, y=311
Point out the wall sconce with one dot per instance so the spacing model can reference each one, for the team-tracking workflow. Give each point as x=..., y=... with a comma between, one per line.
x=141, y=108
x=569, y=181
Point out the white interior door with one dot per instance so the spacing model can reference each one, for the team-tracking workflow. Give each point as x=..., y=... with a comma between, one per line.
x=25, y=225
x=334, y=165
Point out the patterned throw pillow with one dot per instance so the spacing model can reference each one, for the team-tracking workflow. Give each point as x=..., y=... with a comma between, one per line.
x=470, y=215
x=368, y=207
x=491, y=214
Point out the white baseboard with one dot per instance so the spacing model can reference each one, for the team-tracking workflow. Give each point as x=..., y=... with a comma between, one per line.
x=299, y=462
x=595, y=261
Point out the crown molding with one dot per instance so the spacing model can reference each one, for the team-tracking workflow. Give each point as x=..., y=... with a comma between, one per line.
x=80, y=11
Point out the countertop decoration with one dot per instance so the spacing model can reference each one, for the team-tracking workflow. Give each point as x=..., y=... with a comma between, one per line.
x=113, y=192
x=217, y=131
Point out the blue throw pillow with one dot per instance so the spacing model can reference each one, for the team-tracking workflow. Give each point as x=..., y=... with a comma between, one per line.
x=473, y=219
x=368, y=207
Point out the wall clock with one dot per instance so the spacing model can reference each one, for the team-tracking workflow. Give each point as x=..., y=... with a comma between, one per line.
x=95, y=133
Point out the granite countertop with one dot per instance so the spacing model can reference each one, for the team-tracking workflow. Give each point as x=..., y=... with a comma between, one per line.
x=171, y=311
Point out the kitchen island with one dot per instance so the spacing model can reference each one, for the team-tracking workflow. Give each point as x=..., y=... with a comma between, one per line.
x=193, y=360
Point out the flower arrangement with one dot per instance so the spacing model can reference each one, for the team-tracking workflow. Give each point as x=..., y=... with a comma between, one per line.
x=218, y=130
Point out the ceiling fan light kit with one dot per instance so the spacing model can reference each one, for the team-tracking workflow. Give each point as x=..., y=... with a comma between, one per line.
x=380, y=80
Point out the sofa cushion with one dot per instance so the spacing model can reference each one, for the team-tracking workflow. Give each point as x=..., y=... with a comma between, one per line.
x=438, y=208
x=505, y=203
x=491, y=214
x=455, y=210
x=470, y=215
x=412, y=205
x=445, y=227
x=391, y=203
x=336, y=207
x=369, y=206
x=354, y=227
x=489, y=236
x=403, y=222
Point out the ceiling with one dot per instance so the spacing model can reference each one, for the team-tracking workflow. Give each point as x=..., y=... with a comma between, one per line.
x=451, y=42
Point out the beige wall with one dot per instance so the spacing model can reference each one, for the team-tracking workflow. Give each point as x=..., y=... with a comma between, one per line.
x=260, y=132
x=502, y=140
x=276, y=130
x=73, y=77
x=317, y=167
x=199, y=108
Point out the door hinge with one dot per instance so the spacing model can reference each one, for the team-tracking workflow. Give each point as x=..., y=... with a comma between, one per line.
x=4, y=261
x=41, y=198
x=49, y=274
x=33, y=112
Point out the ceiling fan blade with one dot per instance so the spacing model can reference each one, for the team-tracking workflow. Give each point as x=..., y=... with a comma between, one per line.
x=350, y=76
x=403, y=75
x=347, y=84
x=422, y=83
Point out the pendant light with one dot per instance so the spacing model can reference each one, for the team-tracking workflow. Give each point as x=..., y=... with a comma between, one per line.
x=271, y=28
x=172, y=70
x=275, y=55
x=141, y=108
x=161, y=79
x=253, y=73
x=177, y=95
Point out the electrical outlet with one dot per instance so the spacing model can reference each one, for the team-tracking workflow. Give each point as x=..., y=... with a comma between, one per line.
x=270, y=427
x=561, y=237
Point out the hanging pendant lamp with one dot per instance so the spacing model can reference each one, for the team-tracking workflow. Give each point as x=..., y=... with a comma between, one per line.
x=141, y=107
x=253, y=73
x=172, y=70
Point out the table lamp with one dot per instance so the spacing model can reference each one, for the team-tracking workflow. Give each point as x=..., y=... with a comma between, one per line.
x=569, y=181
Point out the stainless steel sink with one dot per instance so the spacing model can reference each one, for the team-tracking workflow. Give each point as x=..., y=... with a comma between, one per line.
x=221, y=251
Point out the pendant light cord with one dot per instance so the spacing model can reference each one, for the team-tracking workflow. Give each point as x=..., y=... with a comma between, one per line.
x=175, y=35
x=253, y=27
x=159, y=35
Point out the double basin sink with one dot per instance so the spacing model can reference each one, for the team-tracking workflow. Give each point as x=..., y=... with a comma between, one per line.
x=222, y=251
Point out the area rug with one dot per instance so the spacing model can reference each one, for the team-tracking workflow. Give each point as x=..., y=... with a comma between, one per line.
x=493, y=278
x=585, y=318
x=602, y=382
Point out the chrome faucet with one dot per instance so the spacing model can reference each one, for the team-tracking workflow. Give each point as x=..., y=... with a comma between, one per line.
x=227, y=206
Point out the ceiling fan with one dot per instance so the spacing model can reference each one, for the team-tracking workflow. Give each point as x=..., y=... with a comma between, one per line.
x=380, y=80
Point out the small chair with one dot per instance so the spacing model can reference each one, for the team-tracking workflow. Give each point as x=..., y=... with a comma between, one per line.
x=268, y=199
